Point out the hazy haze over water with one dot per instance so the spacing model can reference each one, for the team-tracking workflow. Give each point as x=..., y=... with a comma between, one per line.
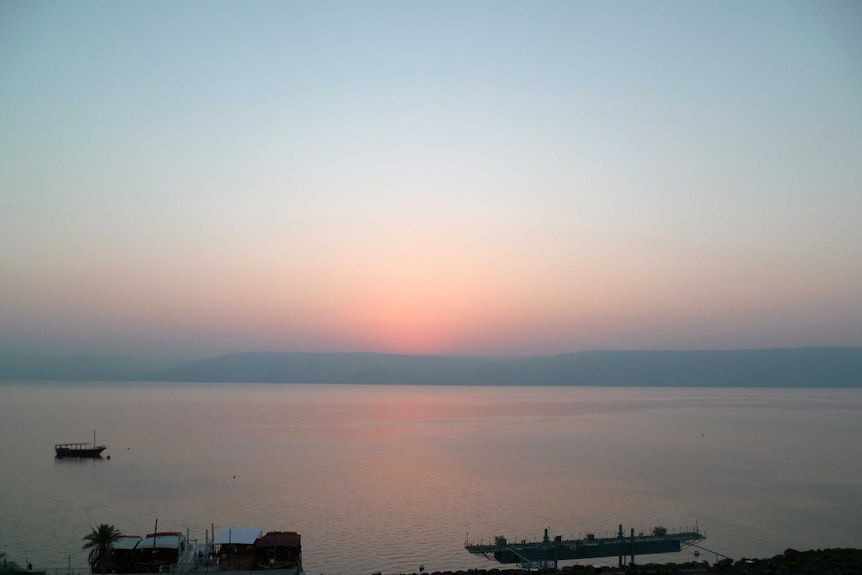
x=388, y=478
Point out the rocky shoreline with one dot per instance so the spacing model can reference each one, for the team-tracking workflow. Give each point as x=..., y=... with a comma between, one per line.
x=791, y=562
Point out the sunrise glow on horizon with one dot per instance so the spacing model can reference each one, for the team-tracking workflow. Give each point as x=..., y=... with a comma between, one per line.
x=459, y=178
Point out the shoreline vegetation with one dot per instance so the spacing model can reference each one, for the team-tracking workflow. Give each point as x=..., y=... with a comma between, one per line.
x=779, y=367
x=814, y=562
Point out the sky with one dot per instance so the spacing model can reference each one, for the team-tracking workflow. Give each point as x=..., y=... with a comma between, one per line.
x=471, y=178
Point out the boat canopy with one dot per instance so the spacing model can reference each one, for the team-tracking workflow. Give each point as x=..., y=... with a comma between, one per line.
x=126, y=542
x=162, y=540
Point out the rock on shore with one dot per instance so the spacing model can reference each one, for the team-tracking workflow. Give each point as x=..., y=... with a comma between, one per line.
x=791, y=562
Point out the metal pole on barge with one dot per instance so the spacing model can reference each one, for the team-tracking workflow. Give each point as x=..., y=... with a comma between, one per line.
x=620, y=535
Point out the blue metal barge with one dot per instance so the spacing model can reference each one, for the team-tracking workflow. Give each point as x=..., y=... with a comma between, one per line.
x=547, y=552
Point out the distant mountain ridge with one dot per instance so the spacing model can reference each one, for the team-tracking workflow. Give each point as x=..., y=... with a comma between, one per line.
x=78, y=367
x=780, y=367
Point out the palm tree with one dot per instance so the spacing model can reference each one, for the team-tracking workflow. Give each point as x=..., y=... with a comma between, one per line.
x=99, y=541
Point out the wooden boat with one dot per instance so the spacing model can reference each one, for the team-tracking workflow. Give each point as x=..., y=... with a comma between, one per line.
x=278, y=550
x=79, y=449
x=122, y=554
x=157, y=551
x=236, y=551
x=245, y=549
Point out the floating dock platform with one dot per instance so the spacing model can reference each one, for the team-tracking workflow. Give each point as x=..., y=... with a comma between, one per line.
x=547, y=552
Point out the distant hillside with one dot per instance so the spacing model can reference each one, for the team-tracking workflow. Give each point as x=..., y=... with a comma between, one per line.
x=78, y=367
x=798, y=367
x=344, y=368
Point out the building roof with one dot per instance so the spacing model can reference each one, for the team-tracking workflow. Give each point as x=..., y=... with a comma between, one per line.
x=238, y=536
x=279, y=539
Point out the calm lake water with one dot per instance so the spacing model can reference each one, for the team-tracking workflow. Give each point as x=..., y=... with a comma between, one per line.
x=388, y=478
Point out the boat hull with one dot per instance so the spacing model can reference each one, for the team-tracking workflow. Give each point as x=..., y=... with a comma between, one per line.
x=92, y=452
